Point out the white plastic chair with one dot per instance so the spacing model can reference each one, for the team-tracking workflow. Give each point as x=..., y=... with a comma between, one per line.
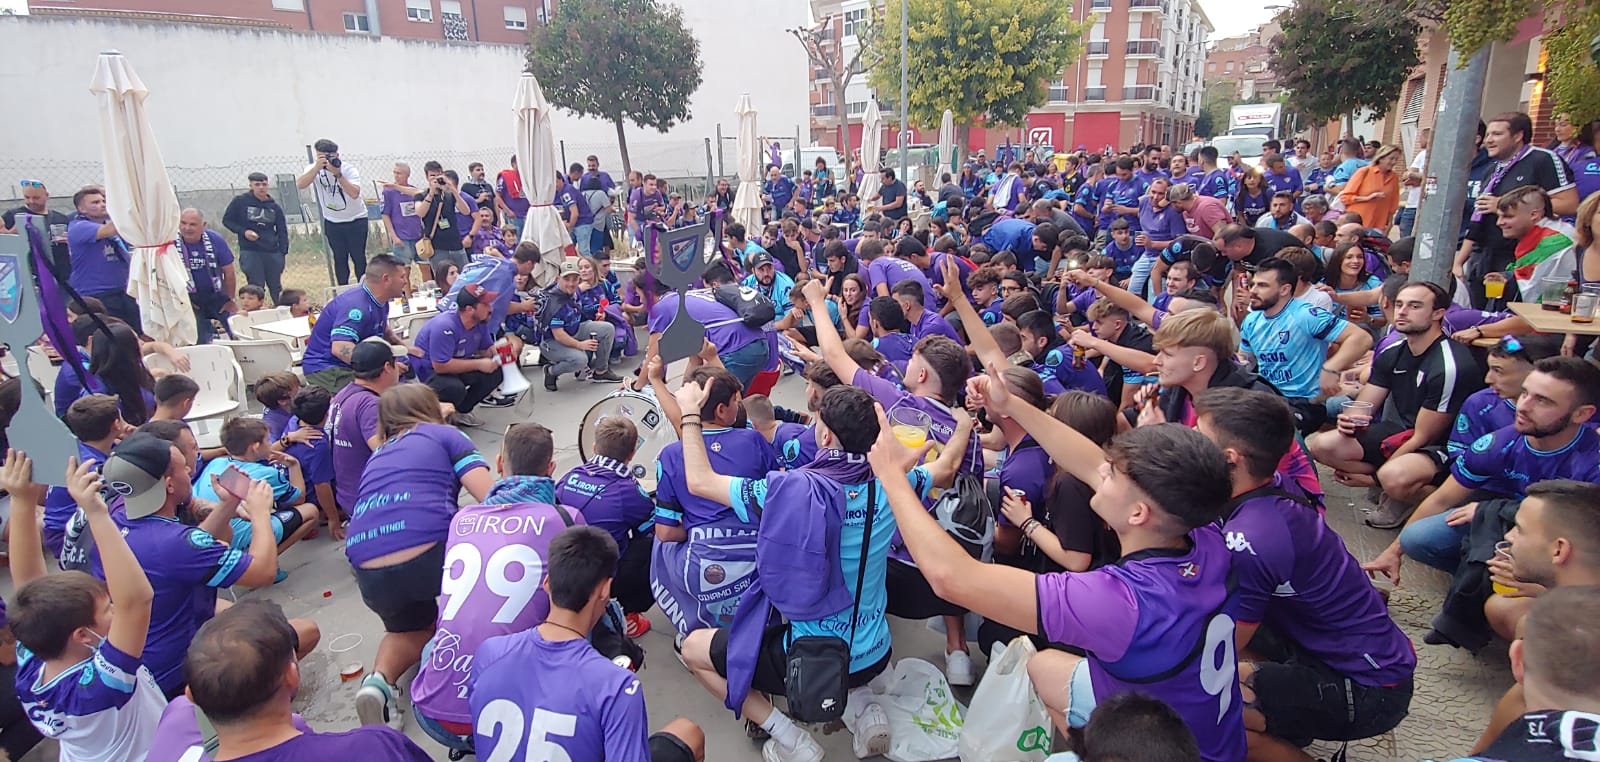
x=258, y=357
x=41, y=369
x=329, y=292
x=222, y=388
x=408, y=326
x=242, y=326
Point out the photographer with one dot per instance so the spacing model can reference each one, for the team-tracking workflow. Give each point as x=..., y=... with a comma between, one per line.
x=437, y=207
x=337, y=188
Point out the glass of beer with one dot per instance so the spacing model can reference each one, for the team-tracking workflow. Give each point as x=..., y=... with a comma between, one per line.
x=1502, y=550
x=1494, y=285
x=1359, y=415
x=910, y=426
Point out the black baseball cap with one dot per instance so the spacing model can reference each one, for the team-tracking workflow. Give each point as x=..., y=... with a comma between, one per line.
x=758, y=259
x=137, y=472
x=369, y=356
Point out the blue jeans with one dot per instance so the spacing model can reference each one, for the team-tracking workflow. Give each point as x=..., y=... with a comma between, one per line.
x=583, y=236
x=564, y=359
x=747, y=361
x=1405, y=219
x=1433, y=542
x=1141, y=276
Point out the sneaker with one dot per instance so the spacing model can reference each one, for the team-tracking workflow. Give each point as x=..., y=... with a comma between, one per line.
x=754, y=731
x=605, y=377
x=958, y=668
x=498, y=401
x=549, y=379
x=1390, y=514
x=872, y=732
x=805, y=750
x=281, y=576
x=635, y=624
x=378, y=703
x=467, y=419
x=584, y=375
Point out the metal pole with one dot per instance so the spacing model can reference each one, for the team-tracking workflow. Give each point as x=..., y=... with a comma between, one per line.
x=905, y=91
x=1445, y=190
x=721, y=168
x=563, y=156
x=711, y=178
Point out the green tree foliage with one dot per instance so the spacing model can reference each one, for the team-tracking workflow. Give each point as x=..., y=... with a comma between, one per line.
x=1474, y=24
x=618, y=60
x=1570, y=73
x=1216, y=103
x=985, y=60
x=1337, y=57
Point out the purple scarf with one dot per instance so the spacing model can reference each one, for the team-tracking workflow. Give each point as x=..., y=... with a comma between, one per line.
x=794, y=541
x=52, y=307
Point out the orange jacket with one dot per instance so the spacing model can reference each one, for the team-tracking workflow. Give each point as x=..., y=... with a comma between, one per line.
x=1378, y=212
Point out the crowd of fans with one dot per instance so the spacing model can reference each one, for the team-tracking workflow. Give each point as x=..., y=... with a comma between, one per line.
x=1081, y=400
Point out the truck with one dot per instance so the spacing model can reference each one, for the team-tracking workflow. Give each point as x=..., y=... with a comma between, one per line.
x=1264, y=119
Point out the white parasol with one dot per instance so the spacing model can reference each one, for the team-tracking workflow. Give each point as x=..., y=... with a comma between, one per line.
x=538, y=163
x=947, y=143
x=747, y=200
x=141, y=201
x=871, y=142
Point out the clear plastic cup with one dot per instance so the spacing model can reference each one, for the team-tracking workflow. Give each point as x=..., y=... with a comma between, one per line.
x=910, y=426
x=1502, y=549
x=1359, y=414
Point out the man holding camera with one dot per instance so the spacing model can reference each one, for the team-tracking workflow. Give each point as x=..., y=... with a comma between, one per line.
x=437, y=207
x=337, y=188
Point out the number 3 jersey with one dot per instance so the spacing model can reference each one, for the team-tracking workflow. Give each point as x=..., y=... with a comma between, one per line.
x=536, y=700
x=1159, y=622
x=494, y=571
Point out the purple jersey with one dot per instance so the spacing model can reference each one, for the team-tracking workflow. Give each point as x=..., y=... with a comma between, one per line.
x=534, y=699
x=1027, y=468
x=1297, y=578
x=352, y=420
x=723, y=327
x=316, y=466
x=942, y=426
x=277, y=421
x=608, y=496
x=185, y=566
x=1505, y=464
x=929, y=323
x=1484, y=412
x=1056, y=365
x=373, y=743
x=489, y=545
x=733, y=452
x=58, y=503
x=408, y=491
x=935, y=273
x=351, y=316
x=889, y=271
x=104, y=707
x=178, y=737
x=796, y=444
x=896, y=348
x=444, y=338
x=1159, y=622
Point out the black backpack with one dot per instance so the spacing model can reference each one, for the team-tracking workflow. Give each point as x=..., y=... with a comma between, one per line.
x=754, y=308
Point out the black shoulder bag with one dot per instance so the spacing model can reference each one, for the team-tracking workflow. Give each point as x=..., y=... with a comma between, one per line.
x=818, y=674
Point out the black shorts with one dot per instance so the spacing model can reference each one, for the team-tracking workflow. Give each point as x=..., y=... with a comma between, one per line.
x=405, y=596
x=809, y=333
x=1304, y=700
x=291, y=520
x=666, y=747
x=1372, y=440
x=772, y=664
x=1440, y=455
x=1309, y=415
x=910, y=595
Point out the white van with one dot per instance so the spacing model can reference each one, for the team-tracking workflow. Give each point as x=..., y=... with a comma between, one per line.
x=808, y=160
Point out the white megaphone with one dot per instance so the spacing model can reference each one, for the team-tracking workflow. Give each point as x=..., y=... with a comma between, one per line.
x=512, y=381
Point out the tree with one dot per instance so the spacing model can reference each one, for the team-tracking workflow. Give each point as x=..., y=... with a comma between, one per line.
x=1203, y=126
x=986, y=60
x=826, y=52
x=1217, y=101
x=618, y=60
x=1338, y=57
x=1569, y=61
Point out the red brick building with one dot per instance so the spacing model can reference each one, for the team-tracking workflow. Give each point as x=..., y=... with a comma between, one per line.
x=497, y=21
x=1242, y=61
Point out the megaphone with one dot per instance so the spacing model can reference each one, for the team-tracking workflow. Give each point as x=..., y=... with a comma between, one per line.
x=512, y=381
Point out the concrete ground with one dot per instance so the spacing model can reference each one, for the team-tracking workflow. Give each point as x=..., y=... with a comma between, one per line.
x=1454, y=695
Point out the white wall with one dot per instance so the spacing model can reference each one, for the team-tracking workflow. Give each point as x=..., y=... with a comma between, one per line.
x=222, y=95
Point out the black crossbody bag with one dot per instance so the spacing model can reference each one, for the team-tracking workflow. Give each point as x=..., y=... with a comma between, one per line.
x=818, y=666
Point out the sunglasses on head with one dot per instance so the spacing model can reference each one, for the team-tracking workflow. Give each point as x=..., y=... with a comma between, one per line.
x=31, y=184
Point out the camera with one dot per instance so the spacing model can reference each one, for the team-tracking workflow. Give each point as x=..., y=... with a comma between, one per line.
x=439, y=181
x=333, y=161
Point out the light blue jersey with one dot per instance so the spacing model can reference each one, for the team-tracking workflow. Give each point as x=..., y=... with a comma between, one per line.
x=1291, y=347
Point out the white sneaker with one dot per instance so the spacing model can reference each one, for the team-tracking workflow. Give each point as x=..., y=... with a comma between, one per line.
x=958, y=668
x=872, y=732
x=378, y=703
x=806, y=750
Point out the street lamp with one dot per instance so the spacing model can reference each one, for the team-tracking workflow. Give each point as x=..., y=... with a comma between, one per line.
x=905, y=93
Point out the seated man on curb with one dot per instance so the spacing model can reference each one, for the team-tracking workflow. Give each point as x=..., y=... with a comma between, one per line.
x=515, y=524
x=81, y=673
x=457, y=360
x=243, y=675
x=821, y=558
x=1325, y=661
x=581, y=706
x=608, y=495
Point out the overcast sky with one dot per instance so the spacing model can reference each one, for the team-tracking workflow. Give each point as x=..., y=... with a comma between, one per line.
x=1233, y=17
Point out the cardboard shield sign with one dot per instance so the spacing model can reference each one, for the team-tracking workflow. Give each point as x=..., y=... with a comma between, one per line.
x=48, y=441
x=677, y=259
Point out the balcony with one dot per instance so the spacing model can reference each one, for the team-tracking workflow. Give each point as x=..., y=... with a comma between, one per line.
x=1144, y=5
x=1094, y=93
x=1100, y=48
x=1144, y=49
x=1099, y=5
x=824, y=109
x=1139, y=93
x=1060, y=94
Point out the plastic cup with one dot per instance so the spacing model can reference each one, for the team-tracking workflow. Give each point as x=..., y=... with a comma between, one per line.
x=1359, y=415
x=1553, y=293
x=1502, y=549
x=910, y=426
x=1494, y=285
x=1584, y=306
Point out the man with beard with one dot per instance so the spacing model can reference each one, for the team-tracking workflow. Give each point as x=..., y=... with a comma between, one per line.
x=1547, y=440
x=1290, y=339
x=765, y=278
x=36, y=200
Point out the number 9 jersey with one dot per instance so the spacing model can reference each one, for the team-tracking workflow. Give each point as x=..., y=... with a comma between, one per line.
x=1159, y=622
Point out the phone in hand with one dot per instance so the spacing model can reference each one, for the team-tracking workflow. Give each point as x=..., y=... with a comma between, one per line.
x=235, y=481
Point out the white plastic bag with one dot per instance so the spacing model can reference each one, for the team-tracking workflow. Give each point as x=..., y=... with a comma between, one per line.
x=1006, y=721
x=924, y=716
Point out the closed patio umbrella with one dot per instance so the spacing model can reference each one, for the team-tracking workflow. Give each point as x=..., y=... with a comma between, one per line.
x=947, y=143
x=141, y=201
x=871, y=144
x=747, y=200
x=538, y=162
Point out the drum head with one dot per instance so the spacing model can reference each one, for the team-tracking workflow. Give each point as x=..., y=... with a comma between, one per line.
x=655, y=431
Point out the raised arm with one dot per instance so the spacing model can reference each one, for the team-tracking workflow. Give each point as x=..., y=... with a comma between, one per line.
x=1136, y=306
x=126, y=582
x=828, y=341
x=703, y=481
x=1072, y=451
x=27, y=552
x=978, y=336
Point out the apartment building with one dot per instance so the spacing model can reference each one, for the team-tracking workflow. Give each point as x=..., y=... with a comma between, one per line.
x=497, y=21
x=1138, y=80
x=1243, y=61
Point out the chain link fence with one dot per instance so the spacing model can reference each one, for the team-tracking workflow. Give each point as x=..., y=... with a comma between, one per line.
x=686, y=165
